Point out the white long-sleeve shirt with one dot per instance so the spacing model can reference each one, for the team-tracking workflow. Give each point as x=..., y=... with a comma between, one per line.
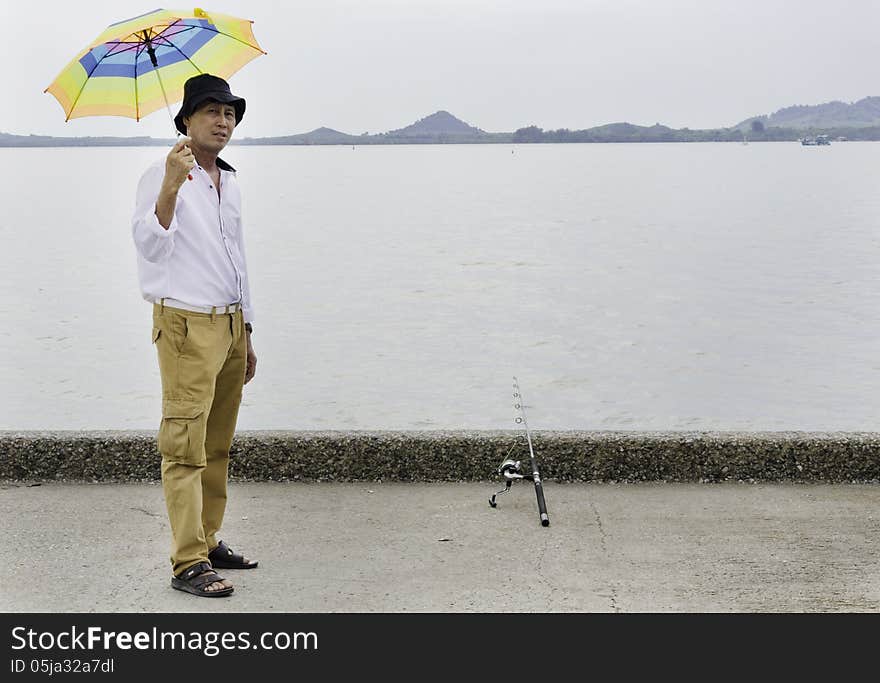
x=200, y=259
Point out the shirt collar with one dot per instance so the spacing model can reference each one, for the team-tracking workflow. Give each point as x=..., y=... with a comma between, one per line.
x=222, y=165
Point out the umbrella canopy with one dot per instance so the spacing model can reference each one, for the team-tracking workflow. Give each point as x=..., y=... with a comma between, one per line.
x=138, y=65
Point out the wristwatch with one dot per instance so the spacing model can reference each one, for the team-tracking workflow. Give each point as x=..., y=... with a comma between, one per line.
x=249, y=327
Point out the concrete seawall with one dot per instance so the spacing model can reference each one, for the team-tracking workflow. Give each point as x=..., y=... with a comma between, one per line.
x=429, y=456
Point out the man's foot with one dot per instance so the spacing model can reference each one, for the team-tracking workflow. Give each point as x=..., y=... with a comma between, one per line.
x=201, y=579
x=224, y=558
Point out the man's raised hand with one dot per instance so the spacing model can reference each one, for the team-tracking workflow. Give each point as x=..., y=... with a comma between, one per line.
x=179, y=162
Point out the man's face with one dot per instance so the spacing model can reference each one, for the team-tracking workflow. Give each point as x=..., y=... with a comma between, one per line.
x=211, y=125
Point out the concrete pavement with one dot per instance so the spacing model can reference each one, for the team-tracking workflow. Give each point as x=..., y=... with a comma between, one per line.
x=401, y=547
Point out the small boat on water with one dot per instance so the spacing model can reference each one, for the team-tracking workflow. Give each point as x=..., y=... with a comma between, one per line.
x=818, y=140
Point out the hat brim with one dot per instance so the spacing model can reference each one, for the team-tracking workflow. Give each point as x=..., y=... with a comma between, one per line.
x=188, y=107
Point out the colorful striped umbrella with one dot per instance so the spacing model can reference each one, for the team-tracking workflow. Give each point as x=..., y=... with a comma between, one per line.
x=137, y=65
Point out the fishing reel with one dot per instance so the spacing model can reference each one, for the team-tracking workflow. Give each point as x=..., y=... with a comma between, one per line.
x=511, y=470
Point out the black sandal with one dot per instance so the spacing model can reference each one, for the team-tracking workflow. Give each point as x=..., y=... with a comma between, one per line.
x=196, y=580
x=223, y=557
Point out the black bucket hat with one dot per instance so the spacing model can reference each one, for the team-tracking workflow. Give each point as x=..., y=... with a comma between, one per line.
x=206, y=87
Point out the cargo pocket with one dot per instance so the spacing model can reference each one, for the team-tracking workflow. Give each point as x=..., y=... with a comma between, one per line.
x=182, y=432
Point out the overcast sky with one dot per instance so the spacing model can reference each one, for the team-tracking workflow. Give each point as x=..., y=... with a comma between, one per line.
x=376, y=65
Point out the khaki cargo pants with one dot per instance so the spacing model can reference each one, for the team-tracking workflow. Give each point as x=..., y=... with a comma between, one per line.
x=202, y=360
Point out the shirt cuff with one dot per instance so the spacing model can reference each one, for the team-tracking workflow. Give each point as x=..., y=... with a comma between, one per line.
x=156, y=226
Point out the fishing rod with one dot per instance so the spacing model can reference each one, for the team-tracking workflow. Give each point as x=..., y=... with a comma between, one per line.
x=511, y=469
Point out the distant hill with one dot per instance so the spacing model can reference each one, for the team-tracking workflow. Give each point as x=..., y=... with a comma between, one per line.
x=319, y=136
x=440, y=127
x=438, y=123
x=617, y=132
x=862, y=114
x=623, y=131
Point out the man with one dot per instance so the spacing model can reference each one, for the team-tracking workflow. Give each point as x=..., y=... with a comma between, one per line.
x=191, y=264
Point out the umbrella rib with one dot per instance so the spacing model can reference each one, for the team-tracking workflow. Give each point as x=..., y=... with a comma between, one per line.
x=181, y=28
x=165, y=41
x=220, y=33
x=85, y=83
x=129, y=46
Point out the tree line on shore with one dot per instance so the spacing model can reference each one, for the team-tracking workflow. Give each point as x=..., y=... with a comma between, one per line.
x=629, y=133
x=754, y=130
